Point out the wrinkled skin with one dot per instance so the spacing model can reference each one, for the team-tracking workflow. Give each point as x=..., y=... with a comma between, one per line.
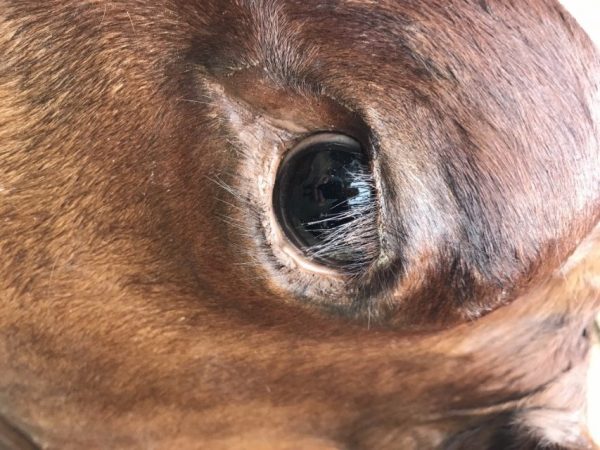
x=145, y=299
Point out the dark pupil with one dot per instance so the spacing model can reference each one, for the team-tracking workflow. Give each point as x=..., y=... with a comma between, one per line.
x=321, y=191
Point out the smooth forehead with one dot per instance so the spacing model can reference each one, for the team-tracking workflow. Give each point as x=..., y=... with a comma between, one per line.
x=393, y=37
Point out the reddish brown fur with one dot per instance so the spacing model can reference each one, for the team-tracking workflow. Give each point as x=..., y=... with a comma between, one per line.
x=134, y=313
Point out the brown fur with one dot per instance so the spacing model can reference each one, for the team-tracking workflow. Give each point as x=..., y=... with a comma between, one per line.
x=142, y=305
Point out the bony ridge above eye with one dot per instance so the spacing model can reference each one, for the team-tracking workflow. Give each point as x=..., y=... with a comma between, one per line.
x=325, y=202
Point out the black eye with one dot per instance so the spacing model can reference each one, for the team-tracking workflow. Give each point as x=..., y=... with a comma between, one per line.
x=326, y=203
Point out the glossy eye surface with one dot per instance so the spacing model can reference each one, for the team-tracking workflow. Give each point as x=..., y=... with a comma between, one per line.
x=325, y=201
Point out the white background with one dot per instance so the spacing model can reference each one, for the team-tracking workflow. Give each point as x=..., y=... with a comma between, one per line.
x=587, y=12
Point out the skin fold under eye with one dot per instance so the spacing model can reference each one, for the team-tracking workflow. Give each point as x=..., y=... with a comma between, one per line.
x=325, y=202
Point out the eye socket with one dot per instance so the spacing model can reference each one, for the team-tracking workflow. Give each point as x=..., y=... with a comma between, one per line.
x=326, y=204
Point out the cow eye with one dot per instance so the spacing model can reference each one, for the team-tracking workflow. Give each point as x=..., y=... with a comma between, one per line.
x=325, y=201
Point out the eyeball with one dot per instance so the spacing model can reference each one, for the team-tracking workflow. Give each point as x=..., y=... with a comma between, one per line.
x=326, y=203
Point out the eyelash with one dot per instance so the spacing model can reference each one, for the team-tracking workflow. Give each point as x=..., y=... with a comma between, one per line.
x=355, y=240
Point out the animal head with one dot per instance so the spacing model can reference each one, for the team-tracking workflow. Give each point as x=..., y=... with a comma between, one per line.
x=296, y=224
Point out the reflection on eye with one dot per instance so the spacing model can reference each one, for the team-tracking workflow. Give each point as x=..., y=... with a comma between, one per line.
x=325, y=200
